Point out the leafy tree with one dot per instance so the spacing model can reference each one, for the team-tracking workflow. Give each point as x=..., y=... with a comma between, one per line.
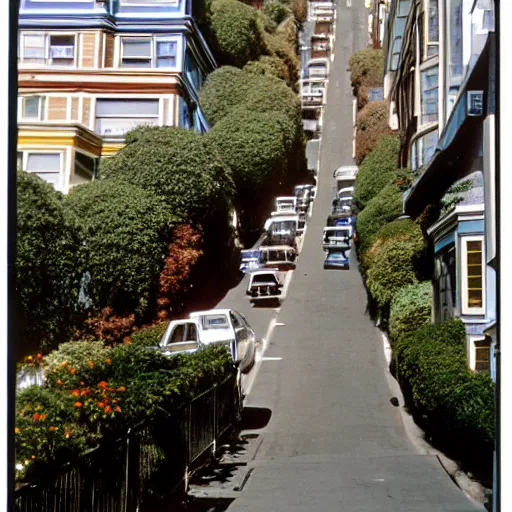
x=49, y=265
x=179, y=167
x=237, y=33
x=125, y=229
x=268, y=65
x=276, y=11
x=377, y=170
x=366, y=71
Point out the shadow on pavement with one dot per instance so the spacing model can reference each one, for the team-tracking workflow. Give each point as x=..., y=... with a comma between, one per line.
x=255, y=418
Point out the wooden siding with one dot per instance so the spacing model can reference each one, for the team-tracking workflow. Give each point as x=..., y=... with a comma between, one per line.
x=323, y=27
x=86, y=112
x=109, y=51
x=88, y=49
x=74, y=109
x=57, y=108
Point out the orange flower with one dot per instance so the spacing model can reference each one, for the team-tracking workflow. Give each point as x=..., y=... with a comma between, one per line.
x=82, y=383
x=59, y=382
x=108, y=361
x=127, y=339
x=103, y=384
x=72, y=371
x=36, y=416
x=17, y=430
x=114, y=401
x=108, y=409
x=42, y=417
x=84, y=392
x=39, y=356
x=78, y=404
x=68, y=433
x=64, y=363
x=117, y=409
x=29, y=358
x=121, y=388
x=91, y=364
x=75, y=392
x=33, y=457
x=53, y=429
x=101, y=404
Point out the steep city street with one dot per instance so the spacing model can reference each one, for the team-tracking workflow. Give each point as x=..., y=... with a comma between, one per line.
x=334, y=440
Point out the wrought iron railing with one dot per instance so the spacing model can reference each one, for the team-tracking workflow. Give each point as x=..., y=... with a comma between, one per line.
x=153, y=459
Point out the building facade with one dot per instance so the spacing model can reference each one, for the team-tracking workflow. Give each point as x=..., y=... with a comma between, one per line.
x=90, y=70
x=440, y=82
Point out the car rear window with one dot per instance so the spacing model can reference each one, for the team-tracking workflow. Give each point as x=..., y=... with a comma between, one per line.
x=264, y=278
x=215, y=322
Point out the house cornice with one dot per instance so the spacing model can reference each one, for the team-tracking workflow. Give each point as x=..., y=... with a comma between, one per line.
x=459, y=213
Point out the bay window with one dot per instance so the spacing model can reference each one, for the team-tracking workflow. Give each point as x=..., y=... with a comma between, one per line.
x=48, y=49
x=148, y=52
x=115, y=117
x=430, y=95
x=433, y=28
x=473, y=300
x=445, y=278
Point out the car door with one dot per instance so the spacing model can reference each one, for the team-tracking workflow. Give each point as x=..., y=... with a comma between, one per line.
x=240, y=335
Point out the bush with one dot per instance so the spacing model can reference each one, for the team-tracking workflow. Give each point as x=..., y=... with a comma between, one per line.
x=366, y=70
x=236, y=31
x=268, y=65
x=125, y=229
x=149, y=336
x=385, y=207
x=457, y=403
x=78, y=407
x=372, y=125
x=49, y=266
x=300, y=10
x=377, y=170
x=411, y=308
x=392, y=269
x=276, y=11
x=181, y=168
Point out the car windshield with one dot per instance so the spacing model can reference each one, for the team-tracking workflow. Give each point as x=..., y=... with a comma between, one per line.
x=249, y=255
x=283, y=225
x=214, y=322
x=340, y=233
x=336, y=256
x=264, y=278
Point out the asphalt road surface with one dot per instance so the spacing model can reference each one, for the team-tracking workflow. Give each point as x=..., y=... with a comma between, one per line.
x=334, y=442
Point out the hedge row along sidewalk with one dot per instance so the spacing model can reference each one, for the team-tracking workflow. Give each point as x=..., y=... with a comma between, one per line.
x=452, y=403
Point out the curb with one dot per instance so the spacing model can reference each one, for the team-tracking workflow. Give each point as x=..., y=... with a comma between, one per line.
x=473, y=490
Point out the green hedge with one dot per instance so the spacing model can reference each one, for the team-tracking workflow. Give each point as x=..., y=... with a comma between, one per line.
x=366, y=70
x=372, y=125
x=385, y=207
x=180, y=167
x=109, y=393
x=268, y=65
x=276, y=11
x=411, y=308
x=125, y=230
x=149, y=336
x=377, y=170
x=49, y=266
x=458, y=404
x=236, y=31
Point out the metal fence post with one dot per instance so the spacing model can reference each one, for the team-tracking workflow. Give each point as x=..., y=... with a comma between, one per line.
x=215, y=420
x=188, y=427
x=126, y=471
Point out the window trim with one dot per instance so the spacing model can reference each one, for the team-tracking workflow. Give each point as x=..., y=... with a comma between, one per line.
x=424, y=90
x=27, y=152
x=465, y=308
x=154, y=39
x=47, y=57
x=41, y=109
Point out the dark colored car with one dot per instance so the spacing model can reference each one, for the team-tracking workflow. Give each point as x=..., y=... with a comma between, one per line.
x=336, y=260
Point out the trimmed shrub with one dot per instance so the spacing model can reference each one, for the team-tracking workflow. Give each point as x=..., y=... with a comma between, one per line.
x=392, y=269
x=276, y=11
x=378, y=169
x=237, y=32
x=458, y=405
x=181, y=168
x=268, y=65
x=366, y=70
x=125, y=229
x=49, y=266
x=149, y=336
x=411, y=309
x=300, y=10
x=372, y=125
x=385, y=207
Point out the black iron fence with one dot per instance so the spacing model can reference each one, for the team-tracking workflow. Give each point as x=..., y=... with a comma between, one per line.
x=150, y=462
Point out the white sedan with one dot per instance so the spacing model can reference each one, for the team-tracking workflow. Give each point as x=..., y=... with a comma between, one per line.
x=231, y=328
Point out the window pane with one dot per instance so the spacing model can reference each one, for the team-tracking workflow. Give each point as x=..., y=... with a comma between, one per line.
x=43, y=162
x=128, y=107
x=31, y=107
x=166, y=62
x=474, y=271
x=403, y=8
x=433, y=20
x=137, y=48
x=166, y=49
x=136, y=63
x=119, y=126
x=33, y=50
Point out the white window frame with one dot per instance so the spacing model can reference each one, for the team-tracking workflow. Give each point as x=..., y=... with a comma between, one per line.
x=427, y=26
x=47, y=57
x=41, y=108
x=144, y=3
x=424, y=90
x=27, y=152
x=153, y=59
x=465, y=309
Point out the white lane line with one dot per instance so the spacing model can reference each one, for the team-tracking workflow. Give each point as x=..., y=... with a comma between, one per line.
x=271, y=358
x=280, y=323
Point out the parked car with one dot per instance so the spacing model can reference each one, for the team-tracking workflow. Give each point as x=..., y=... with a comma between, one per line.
x=274, y=239
x=336, y=260
x=341, y=206
x=228, y=327
x=249, y=260
x=345, y=176
x=339, y=219
x=303, y=202
x=302, y=223
x=282, y=225
x=264, y=286
x=286, y=204
x=181, y=336
x=281, y=257
x=345, y=192
x=337, y=237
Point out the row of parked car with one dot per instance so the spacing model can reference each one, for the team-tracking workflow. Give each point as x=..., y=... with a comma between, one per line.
x=339, y=229
x=277, y=250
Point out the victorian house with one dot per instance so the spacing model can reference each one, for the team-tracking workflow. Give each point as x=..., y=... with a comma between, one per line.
x=91, y=70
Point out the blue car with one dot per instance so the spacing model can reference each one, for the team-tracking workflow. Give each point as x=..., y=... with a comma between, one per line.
x=336, y=260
